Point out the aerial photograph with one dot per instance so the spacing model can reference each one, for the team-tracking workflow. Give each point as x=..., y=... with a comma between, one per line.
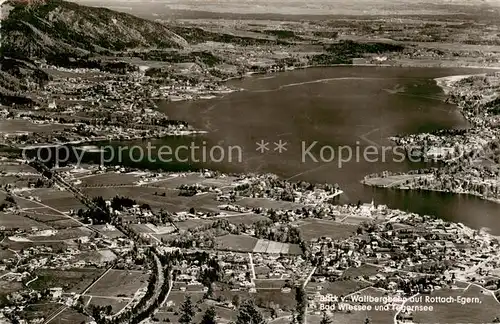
x=249, y=161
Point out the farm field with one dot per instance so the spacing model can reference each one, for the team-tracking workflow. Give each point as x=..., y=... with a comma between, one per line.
x=60, y=200
x=26, y=126
x=7, y=287
x=237, y=243
x=63, y=234
x=191, y=179
x=282, y=300
x=116, y=304
x=363, y=270
x=270, y=284
x=271, y=247
x=109, y=231
x=6, y=254
x=15, y=167
x=192, y=223
x=353, y=220
x=10, y=221
x=26, y=203
x=316, y=228
x=176, y=298
x=63, y=223
x=43, y=214
x=108, y=179
x=70, y=316
x=171, y=202
x=74, y=280
x=268, y=204
x=119, y=283
x=43, y=309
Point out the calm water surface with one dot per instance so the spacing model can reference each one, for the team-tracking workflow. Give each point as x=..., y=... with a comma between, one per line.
x=354, y=106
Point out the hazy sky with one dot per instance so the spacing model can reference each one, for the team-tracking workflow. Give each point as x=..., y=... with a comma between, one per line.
x=316, y=7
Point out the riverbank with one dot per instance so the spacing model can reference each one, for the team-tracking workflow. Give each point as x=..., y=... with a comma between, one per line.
x=408, y=181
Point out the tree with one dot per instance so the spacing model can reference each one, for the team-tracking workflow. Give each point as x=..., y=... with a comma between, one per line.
x=325, y=319
x=187, y=311
x=301, y=299
x=209, y=316
x=248, y=314
x=236, y=301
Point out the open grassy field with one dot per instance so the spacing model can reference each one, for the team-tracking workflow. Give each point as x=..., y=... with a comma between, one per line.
x=6, y=254
x=7, y=168
x=63, y=234
x=393, y=181
x=192, y=223
x=63, y=223
x=43, y=309
x=265, y=246
x=116, y=304
x=119, y=283
x=24, y=244
x=268, y=203
x=354, y=220
x=110, y=232
x=26, y=126
x=70, y=316
x=275, y=298
x=363, y=270
x=191, y=179
x=18, y=182
x=25, y=203
x=60, y=200
x=176, y=298
x=43, y=214
x=8, y=287
x=267, y=284
x=238, y=243
x=75, y=280
x=315, y=228
x=170, y=202
x=108, y=179
x=11, y=221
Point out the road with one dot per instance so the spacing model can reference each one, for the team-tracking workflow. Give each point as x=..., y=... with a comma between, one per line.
x=252, y=267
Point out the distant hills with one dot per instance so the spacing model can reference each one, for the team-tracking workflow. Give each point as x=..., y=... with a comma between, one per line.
x=298, y=7
x=60, y=31
x=58, y=27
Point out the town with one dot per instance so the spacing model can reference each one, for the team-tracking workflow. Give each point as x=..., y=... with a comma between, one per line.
x=104, y=244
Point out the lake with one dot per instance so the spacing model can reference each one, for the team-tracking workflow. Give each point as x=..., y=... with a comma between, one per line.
x=336, y=110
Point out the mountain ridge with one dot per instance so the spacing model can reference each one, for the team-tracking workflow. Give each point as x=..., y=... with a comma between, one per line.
x=57, y=27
